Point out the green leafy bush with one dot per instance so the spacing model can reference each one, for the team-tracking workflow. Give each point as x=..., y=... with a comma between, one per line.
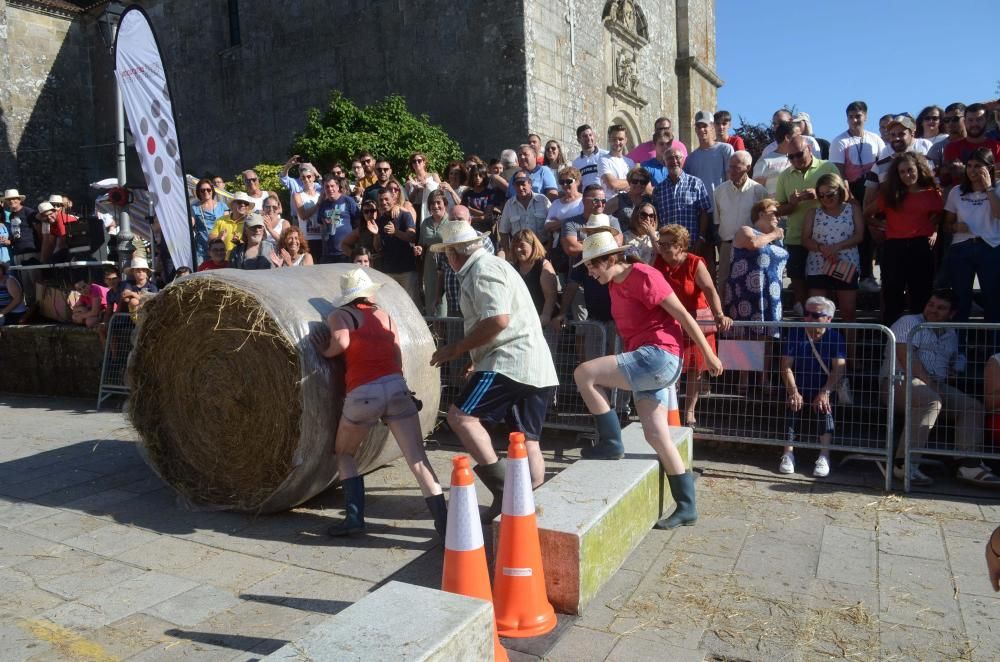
x=755, y=137
x=386, y=128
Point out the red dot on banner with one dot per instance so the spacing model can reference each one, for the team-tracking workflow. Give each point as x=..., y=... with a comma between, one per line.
x=150, y=145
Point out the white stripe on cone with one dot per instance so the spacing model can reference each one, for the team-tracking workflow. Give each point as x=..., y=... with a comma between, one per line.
x=674, y=405
x=517, y=497
x=465, y=531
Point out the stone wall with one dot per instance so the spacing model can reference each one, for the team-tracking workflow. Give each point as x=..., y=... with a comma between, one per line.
x=462, y=64
x=695, y=64
x=573, y=57
x=46, y=100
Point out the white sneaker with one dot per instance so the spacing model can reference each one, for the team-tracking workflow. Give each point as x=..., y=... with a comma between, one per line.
x=917, y=477
x=787, y=465
x=869, y=285
x=822, y=468
x=798, y=310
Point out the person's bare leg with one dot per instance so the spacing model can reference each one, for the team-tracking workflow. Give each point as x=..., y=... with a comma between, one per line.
x=349, y=438
x=692, y=391
x=656, y=429
x=589, y=376
x=407, y=434
x=474, y=437
x=536, y=463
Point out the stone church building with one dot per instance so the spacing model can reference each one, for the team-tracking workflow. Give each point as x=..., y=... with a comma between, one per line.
x=244, y=72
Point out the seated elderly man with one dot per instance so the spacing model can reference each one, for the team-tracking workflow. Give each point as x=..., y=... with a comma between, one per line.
x=812, y=364
x=513, y=376
x=936, y=358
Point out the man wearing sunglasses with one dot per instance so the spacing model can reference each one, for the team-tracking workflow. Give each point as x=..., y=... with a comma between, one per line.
x=257, y=195
x=796, y=195
x=952, y=123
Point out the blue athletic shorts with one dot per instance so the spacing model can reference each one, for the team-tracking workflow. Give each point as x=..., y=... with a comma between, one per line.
x=493, y=397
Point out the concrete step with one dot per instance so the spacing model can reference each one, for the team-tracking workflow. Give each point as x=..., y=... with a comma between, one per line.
x=400, y=622
x=594, y=513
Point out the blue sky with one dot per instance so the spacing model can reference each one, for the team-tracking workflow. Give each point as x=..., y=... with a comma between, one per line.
x=896, y=56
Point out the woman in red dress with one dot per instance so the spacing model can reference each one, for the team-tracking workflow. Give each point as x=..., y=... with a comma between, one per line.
x=688, y=275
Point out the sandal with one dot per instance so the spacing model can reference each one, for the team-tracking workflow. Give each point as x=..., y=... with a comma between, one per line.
x=980, y=476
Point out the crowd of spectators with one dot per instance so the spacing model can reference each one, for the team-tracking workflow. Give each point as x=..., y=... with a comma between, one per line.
x=906, y=211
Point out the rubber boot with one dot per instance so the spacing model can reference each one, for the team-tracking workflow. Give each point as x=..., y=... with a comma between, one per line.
x=354, y=509
x=682, y=489
x=609, y=439
x=439, y=510
x=492, y=476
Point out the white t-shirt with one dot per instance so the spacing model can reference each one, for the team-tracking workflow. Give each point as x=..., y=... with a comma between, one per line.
x=258, y=201
x=563, y=210
x=617, y=167
x=768, y=169
x=880, y=170
x=587, y=165
x=856, y=153
x=973, y=209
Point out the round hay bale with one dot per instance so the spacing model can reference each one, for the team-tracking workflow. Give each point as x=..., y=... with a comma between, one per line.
x=234, y=406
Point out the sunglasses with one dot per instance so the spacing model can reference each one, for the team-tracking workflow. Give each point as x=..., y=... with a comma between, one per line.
x=598, y=201
x=368, y=161
x=250, y=179
x=828, y=195
x=812, y=314
x=646, y=214
x=383, y=169
x=204, y=190
x=637, y=182
x=271, y=207
x=949, y=119
x=796, y=155
x=566, y=182
x=932, y=118
x=417, y=161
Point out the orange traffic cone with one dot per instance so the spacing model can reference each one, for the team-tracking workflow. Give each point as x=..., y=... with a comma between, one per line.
x=519, y=600
x=674, y=410
x=465, y=569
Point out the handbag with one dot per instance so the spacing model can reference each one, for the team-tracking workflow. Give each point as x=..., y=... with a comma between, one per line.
x=842, y=270
x=843, y=387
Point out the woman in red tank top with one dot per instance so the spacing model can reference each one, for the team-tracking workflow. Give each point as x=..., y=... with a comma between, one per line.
x=376, y=390
x=688, y=275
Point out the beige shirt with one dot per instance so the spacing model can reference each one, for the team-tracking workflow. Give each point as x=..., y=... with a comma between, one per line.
x=490, y=286
x=732, y=206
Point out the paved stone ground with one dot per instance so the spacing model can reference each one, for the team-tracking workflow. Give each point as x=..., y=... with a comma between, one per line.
x=99, y=562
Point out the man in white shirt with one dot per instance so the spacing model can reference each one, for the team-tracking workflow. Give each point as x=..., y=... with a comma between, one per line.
x=733, y=200
x=613, y=166
x=590, y=156
x=252, y=182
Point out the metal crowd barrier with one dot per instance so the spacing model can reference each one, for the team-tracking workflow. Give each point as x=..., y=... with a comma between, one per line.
x=117, y=346
x=958, y=418
x=578, y=341
x=748, y=402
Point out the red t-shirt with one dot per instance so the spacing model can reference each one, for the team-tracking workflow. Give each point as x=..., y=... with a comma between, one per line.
x=208, y=264
x=914, y=218
x=681, y=280
x=58, y=226
x=961, y=150
x=635, y=307
x=736, y=142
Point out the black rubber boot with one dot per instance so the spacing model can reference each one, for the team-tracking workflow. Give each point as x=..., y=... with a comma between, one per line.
x=609, y=439
x=354, y=509
x=686, y=514
x=492, y=476
x=439, y=510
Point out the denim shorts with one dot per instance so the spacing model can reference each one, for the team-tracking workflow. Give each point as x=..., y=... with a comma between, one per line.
x=387, y=398
x=650, y=370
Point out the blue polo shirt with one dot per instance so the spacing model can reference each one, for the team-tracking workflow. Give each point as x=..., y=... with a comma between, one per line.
x=542, y=180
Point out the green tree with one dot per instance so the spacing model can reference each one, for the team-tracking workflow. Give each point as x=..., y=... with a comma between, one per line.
x=386, y=128
x=755, y=136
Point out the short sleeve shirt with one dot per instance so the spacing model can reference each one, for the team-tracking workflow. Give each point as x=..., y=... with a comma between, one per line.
x=809, y=375
x=635, y=306
x=397, y=254
x=542, y=180
x=792, y=180
x=588, y=167
x=682, y=202
x=490, y=286
x=936, y=349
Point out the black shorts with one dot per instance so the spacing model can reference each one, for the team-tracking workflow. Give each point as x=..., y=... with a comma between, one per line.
x=796, y=267
x=493, y=397
x=824, y=282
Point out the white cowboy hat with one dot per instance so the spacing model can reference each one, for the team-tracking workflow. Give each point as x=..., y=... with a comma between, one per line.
x=137, y=263
x=598, y=222
x=240, y=196
x=356, y=284
x=43, y=208
x=12, y=193
x=456, y=233
x=597, y=245
x=56, y=199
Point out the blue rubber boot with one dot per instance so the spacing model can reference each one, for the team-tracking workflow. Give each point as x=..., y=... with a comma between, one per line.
x=682, y=490
x=354, y=509
x=609, y=439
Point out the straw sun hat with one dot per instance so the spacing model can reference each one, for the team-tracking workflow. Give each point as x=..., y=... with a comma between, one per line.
x=356, y=284
x=456, y=233
x=598, y=245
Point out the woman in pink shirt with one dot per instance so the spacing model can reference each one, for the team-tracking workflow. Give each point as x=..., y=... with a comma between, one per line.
x=646, y=312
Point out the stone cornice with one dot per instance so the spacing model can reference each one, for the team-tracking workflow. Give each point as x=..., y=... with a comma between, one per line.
x=697, y=65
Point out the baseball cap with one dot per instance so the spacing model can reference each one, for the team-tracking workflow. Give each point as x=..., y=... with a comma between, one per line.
x=703, y=117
